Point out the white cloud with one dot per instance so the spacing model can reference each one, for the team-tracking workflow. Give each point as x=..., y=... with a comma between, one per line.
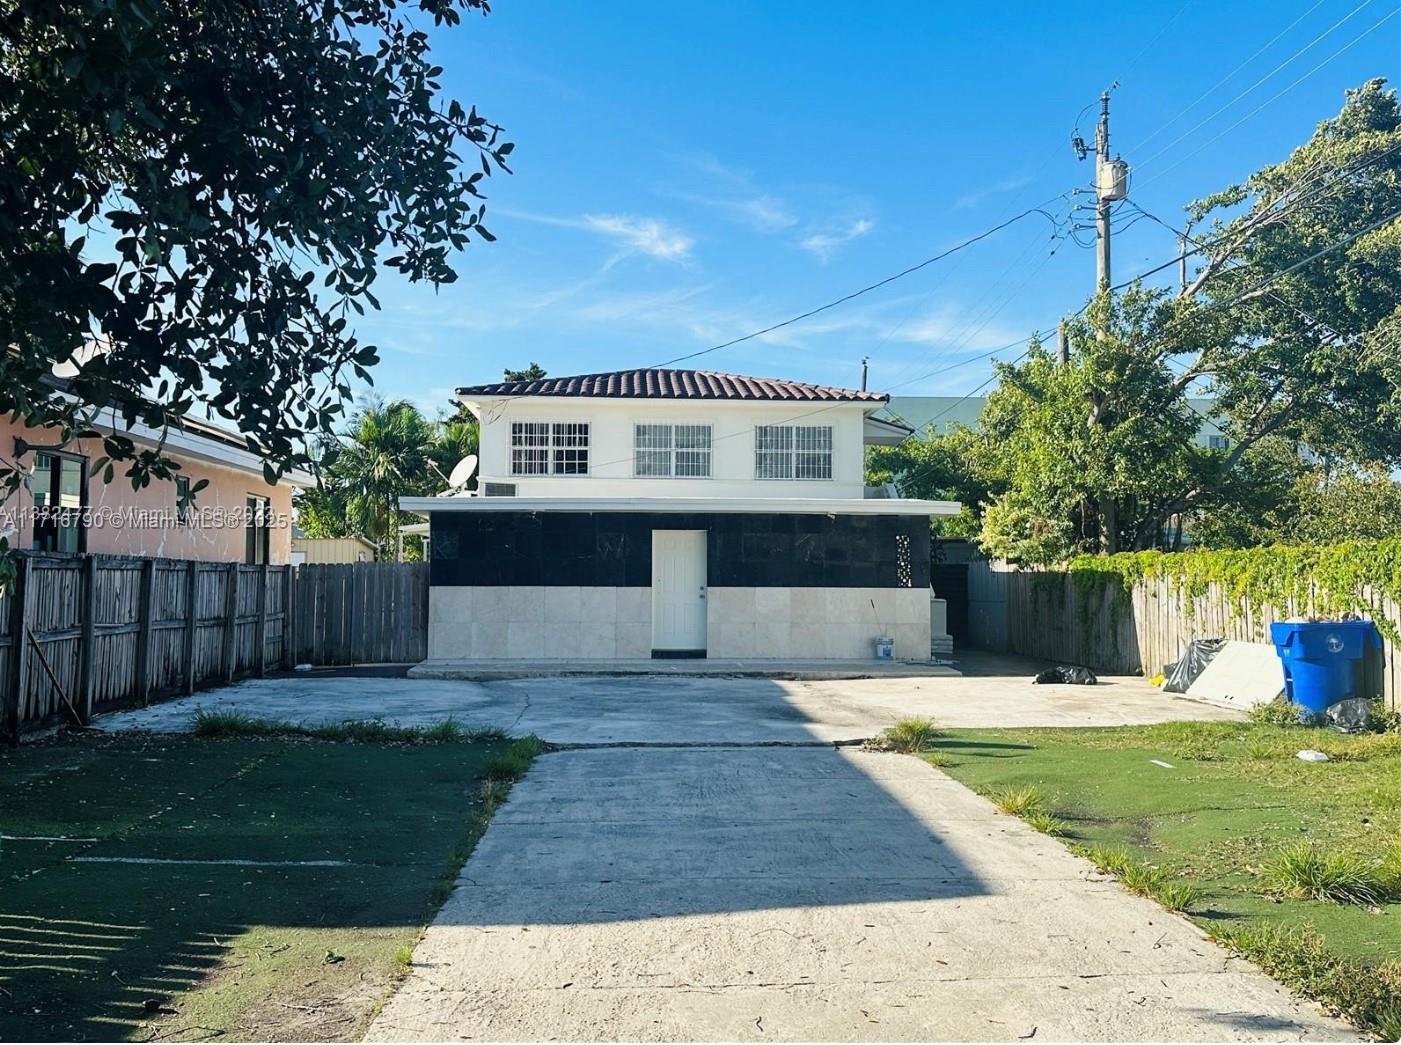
x=650, y=236
x=635, y=235
x=825, y=244
x=760, y=211
x=969, y=200
x=973, y=330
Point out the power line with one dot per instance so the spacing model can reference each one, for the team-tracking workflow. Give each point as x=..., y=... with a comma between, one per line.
x=1276, y=96
x=1222, y=303
x=1225, y=79
x=1203, y=122
x=890, y=334
x=1290, y=204
x=979, y=321
x=867, y=289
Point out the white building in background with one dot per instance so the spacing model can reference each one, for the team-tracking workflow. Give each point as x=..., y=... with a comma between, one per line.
x=676, y=513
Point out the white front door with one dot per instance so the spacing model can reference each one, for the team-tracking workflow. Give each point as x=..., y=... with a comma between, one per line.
x=678, y=590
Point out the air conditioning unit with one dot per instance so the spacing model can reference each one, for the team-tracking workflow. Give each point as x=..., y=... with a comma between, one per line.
x=498, y=489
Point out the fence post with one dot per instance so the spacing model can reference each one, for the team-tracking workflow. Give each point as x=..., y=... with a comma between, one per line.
x=231, y=623
x=88, y=643
x=146, y=635
x=191, y=623
x=260, y=651
x=19, y=649
x=289, y=619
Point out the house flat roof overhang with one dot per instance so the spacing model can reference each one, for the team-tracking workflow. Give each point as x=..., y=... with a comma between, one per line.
x=765, y=505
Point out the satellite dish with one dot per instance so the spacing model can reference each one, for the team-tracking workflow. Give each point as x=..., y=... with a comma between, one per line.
x=461, y=475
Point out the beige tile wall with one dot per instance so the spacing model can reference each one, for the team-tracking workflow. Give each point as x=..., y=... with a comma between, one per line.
x=571, y=623
x=531, y=623
x=822, y=623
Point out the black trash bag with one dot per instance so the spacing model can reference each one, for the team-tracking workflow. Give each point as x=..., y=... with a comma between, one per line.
x=1184, y=672
x=1065, y=676
x=1352, y=715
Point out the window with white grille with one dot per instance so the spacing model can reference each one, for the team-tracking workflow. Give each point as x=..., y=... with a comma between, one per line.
x=549, y=448
x=793, y=452
x=682, y=451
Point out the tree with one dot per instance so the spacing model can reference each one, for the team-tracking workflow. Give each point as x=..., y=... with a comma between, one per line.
x=387, y=451
x=1293, y=318
x=1290, y=324
x=937, y=467
x=385, y=455
x=453, y=439
x=205, y=193
x=1346, y=505
x=534, y=372
x=1083, y=454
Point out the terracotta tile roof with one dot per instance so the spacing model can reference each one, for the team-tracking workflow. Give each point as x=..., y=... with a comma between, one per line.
x=672, y=384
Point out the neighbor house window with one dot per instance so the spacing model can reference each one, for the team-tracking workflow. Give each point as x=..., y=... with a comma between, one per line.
x=549, y=448
x=59, y=483
x=256, y=530
x=672, y=450
x=182, y=499
x=1218, y=442
x=793, y=452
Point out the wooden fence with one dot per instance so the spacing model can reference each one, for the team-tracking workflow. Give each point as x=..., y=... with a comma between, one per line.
x=82, y=634
x=1048, y=615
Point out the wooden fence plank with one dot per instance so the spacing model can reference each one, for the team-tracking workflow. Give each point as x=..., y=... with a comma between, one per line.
x=146, y=636
x=1048, y=617
x=20, y=599
x=115, y=629
x=88, y=668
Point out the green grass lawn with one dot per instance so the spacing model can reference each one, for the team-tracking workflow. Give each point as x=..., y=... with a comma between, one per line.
x=92, y=947
x=1234, y=797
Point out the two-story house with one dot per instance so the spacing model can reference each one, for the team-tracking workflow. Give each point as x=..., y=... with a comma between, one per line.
x=674, y=513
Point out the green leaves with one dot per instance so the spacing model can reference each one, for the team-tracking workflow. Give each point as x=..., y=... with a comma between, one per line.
x=226, y=155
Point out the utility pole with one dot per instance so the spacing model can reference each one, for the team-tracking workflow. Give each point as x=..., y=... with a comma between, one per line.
x=1102, y=198
x=1111, y=185
x=1062, y=344
x=865, y=363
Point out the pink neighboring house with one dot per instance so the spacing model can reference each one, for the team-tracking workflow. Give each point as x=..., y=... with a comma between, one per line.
x=65, y=507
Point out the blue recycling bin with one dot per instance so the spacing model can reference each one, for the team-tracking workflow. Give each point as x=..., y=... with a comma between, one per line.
x=1319, y=658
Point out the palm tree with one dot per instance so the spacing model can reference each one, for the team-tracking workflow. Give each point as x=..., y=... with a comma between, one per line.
x=385, y=455
x=453, y=439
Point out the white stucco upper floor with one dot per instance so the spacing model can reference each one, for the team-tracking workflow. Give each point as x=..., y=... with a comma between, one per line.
x=675, y=434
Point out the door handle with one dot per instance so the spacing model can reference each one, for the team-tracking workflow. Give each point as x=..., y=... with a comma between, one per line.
x=702, y=591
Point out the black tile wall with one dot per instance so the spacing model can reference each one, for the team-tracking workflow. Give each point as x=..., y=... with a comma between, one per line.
x=614, y=549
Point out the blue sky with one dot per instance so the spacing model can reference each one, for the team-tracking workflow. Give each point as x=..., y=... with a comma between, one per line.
x=687, y=173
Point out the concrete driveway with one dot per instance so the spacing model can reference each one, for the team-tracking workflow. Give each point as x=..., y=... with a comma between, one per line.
x=703, y=864
x=804, y=894
x=678, y=710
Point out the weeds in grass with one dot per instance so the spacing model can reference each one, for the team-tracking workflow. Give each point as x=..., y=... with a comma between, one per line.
x=226, y=725
x=937, y=759
x=513, y=764
x=1110, y=861
x=223, y=724
x=403, y=957
x=1042, y=821
x=907, y=737
x=1148, y=880
x=1381, y=719
x=1306, y=871
x=1019, y=801
x=1259, y=747
x=1178, y=895
x=1369, y=995
x=1278, y=712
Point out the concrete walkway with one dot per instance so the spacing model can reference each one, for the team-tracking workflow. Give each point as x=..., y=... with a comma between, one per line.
x=804, y=894
x=978, y=691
